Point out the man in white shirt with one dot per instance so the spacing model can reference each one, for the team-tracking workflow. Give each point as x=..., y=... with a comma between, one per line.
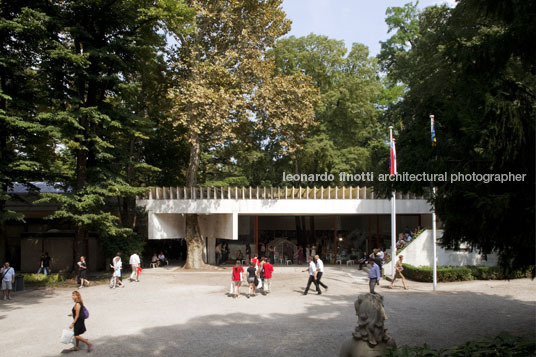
x=319, y=272
x=8, y=279
x=134, y=265
x=312, y=277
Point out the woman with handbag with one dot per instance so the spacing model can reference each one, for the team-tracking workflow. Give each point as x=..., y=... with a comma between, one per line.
x=398, y=271
x=78, y=325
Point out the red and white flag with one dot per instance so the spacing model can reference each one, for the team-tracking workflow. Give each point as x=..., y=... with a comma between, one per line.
x=392, y=162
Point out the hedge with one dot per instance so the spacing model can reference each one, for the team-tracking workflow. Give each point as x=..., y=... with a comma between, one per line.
x=502, y=345
x=445, y=274
x=42, y=279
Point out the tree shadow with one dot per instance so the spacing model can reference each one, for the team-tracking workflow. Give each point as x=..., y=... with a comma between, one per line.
x=320, y=324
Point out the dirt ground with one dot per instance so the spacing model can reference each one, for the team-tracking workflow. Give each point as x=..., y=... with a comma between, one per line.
x=173, y=312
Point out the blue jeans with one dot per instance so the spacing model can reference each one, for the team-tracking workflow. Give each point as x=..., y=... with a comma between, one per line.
x=45, y=270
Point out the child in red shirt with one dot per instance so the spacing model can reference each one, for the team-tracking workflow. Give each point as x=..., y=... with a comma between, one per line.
x=268, y=269
x=237, y=278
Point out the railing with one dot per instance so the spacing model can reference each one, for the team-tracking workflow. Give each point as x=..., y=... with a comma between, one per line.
x=265, y=193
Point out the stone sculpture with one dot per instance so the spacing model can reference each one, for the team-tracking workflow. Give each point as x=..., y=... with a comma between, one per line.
x=370, y=337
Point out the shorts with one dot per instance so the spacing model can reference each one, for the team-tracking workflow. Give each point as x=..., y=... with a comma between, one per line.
x=6, y=285
x=251, y=280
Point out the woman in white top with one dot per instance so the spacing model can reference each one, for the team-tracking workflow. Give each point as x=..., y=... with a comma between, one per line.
x=117, y=266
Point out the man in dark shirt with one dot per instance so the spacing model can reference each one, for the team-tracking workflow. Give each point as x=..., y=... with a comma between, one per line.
x=44, y=264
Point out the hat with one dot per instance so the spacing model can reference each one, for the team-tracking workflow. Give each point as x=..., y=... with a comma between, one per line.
x=378, y=254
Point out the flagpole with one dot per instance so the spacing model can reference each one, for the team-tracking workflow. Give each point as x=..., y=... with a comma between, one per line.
x=434, y=232
x=393, y=212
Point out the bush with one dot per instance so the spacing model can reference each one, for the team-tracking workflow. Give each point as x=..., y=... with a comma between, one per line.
x=42, y=279
x=446, y=274
x=502, y=345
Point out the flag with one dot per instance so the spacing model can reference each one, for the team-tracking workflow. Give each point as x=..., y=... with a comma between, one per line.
x=432, y=130
x=392, y=162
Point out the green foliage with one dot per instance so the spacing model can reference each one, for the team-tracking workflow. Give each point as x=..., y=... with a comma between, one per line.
x=42, y=279
x=463, y=273
x=480, y=83
x=501, y=345
x=347, y=113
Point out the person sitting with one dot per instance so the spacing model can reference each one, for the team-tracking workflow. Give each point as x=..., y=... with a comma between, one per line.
x=400, y=243
x=239, y=255
x=154, y=260
x=362, y=260
x=407, y=237
x=161, y=259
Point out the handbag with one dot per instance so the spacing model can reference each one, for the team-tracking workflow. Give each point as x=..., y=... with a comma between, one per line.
x=259, y=284
x=66, y=336
x=231, y=289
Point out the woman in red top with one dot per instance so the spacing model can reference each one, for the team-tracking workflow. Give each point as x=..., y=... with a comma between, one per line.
x=237, y=278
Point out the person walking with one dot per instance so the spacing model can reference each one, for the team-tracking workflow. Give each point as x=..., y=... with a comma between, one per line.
x=399, y=267
x=117, y=266
x=374, y=276
x=312, y=276
x=268, y=270
x=82, y=271
x=238, y=270
x=252, y=277
x=319, y=271
x=134, y=262
x=8, y=279
x=78, y=326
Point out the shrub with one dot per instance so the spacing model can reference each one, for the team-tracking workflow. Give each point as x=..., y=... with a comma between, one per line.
x=42, y=279
x=446, y=274
x=502, y=345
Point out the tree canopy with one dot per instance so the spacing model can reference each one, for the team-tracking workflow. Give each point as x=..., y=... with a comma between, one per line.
x=472, y=67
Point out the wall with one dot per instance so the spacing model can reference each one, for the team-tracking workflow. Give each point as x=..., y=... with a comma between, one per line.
x=60, y=249
x=420, y=253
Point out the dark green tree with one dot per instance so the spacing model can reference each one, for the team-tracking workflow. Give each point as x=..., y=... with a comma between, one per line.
x=473, y=67
x=98, y=68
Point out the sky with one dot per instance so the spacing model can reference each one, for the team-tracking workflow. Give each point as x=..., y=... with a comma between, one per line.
x=361, y=21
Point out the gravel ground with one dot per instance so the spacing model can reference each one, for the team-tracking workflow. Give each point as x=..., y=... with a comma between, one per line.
x=173, y=312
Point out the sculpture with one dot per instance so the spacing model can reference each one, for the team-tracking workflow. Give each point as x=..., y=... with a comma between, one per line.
x=370, y=337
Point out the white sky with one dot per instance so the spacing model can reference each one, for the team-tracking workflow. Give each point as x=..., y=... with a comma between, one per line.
x=353, y=21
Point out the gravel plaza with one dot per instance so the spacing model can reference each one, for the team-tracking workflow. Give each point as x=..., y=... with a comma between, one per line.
x=174, y=312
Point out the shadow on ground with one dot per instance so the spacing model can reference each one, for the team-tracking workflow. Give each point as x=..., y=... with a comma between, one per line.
x=440, y=319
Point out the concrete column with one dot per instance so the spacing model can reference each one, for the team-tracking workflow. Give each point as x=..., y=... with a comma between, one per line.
x=211, y=250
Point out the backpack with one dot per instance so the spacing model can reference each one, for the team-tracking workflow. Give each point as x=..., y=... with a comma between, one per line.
x=85, y=312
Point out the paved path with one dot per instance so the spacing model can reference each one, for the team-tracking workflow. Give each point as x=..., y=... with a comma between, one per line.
x=173, y=312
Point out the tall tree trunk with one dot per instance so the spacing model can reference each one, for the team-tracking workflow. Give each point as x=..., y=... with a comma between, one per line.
x=4, y=255
x=194, y=240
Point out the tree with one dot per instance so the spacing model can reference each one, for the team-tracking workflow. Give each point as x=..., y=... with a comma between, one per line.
x=25, y=149
x=225, y=87
x=473, y=68
x=347, y=113
x=97, y=113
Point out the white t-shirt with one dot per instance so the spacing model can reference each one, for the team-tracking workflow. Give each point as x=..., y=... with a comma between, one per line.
x=312, y=268
x=161, y=257
x=134, y=259
x=320, y=265
x=10, y=273
x=381, y=254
